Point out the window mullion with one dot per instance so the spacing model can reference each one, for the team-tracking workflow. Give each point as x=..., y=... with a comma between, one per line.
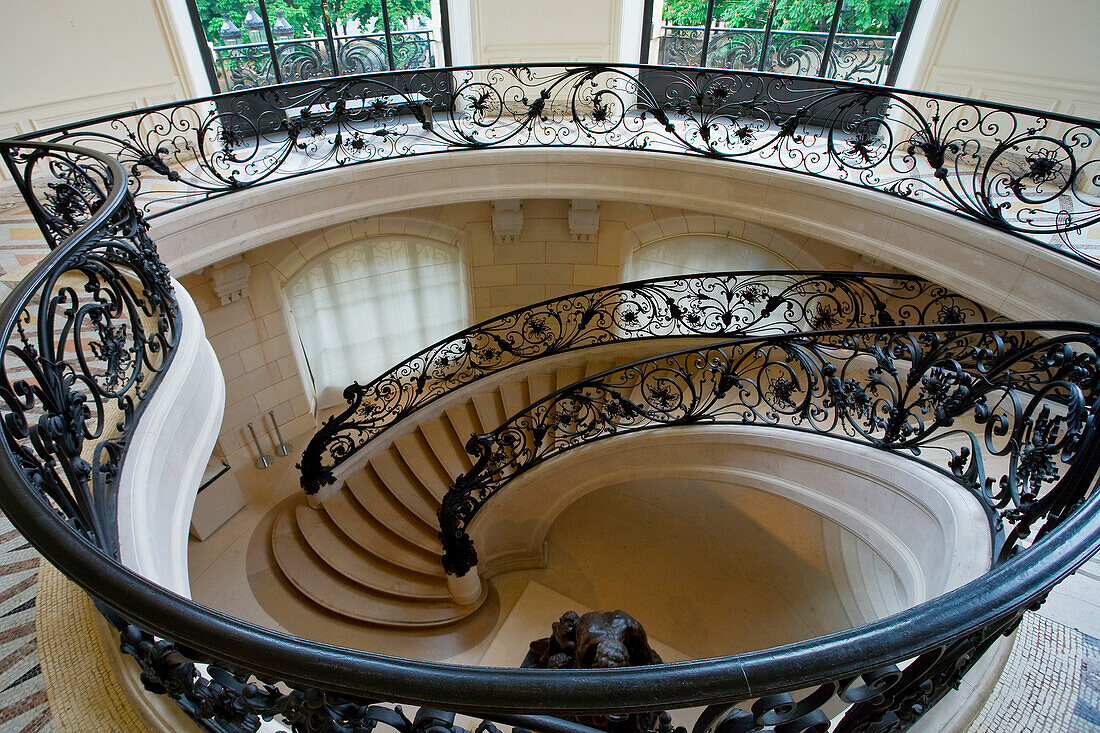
x=271, y=44
x=767, y=37
x=706, y=33
x=832, y=37
x=389, y=37
x=329, y=41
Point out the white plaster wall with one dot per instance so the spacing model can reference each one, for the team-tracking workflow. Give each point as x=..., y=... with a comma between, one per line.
x=166, y=457
x=924, y=528
x=529, y=31
x=66, y=61
x=1034, y=54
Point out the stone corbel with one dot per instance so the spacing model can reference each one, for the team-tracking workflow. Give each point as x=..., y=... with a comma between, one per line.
x=584, y=219
x=230, y=278
x=507, y=219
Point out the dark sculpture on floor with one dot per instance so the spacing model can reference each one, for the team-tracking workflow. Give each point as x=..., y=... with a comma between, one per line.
x=601, y=640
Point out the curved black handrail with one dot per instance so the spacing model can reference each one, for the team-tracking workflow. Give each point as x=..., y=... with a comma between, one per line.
x=715, y=305
x=1016, y=170
x=326, y=685
x=1030, y=399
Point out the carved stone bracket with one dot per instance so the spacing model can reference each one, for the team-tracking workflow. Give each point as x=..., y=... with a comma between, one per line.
x=584, y=219
x=230, y=278
x=507, y=219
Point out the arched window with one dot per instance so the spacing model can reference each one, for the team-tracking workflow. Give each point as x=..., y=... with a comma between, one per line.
x=363, y=307
x=697, y=253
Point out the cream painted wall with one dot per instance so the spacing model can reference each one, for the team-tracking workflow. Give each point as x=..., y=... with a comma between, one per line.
x=257, y=356
x=505, y=31
x=74, y=60
x=1035, y=54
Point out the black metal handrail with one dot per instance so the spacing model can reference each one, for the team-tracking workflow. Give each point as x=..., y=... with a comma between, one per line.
x=1015, y=170
x=715, y=305
x=53, y=421
x=957, y=397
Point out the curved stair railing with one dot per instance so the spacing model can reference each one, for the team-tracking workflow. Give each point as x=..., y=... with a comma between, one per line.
x=1030, y=173
x=715, y=305
x=1002, y=410
x=89, y=333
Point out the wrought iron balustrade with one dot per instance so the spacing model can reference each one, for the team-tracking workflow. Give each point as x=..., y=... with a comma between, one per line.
x=851, y=56
x=711, y=306
x=960, y=397
x=248, y=65
x=1029, y=173
x=92, y=329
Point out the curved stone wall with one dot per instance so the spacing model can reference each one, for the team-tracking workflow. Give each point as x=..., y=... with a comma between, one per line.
x=1010, y=275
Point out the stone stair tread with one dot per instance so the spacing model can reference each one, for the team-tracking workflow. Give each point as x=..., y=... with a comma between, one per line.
x=421, y=460
x=567, y=374
x=364, y=530
x=539, y=385
x=464, y=422
x=378, y=502
x=514, y=398
x=318, y=582
x=404, y=486
x=490, y=412
x=446, y=447
x=348, y=559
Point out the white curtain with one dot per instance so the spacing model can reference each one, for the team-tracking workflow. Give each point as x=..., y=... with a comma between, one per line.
x=361, y=308
x=697, y=253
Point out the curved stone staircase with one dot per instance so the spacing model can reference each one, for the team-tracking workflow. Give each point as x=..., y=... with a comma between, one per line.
x=371, y=550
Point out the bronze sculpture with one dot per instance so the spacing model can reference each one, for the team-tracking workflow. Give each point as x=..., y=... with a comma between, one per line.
x=600, y=640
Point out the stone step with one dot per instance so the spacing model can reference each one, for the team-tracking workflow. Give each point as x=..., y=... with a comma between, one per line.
x=446, y=446
x=420, y=459
x=514, y=398
x=464, y=422
x=348, y=559
x=490, y=412
x=373, y=537
x=318, y=582
x=403, y=485
x=373, y=496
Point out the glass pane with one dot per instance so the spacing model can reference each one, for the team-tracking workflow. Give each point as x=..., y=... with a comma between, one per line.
x=300, y=42
x=678, y=32
x=737, y=33
x=865, y=40
x=238, y=44
x=360, y=36
x=800, y=32
x=414, y=31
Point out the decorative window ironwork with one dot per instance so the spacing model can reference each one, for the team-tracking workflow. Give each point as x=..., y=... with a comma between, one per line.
x=853, y=40
x=253, y=45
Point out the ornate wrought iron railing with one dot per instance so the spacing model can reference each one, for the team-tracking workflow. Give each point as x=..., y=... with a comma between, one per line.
x=1030, y=173
x=87, y=335
x=90, y=331
x=850, y=56
x=249, y=65
x=712, y=306
x=1000, y=409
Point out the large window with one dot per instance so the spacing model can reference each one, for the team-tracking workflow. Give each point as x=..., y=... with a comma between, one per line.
x=363, y=307
x=694, y=254
x=853, y=40
x=251, y=44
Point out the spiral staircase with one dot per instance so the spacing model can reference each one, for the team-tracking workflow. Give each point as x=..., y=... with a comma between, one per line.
x=112, y=357
x=371, y=550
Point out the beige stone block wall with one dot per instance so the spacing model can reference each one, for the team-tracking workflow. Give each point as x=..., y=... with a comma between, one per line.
x=545, y=261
